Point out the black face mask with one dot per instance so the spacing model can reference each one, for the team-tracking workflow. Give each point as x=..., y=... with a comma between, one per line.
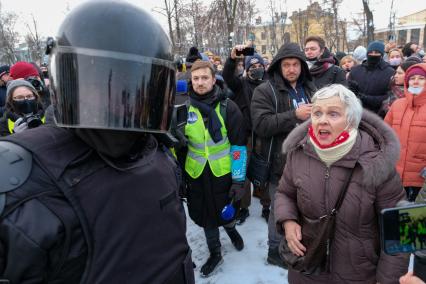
x=113, y=143
x=373, y=60
x=25, y=106
x=257, y=73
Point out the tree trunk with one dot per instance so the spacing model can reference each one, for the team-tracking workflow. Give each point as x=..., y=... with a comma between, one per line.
x=230, y=18
x=336, y=25
x=169, y=22
x=178, y=34
x=370, y=21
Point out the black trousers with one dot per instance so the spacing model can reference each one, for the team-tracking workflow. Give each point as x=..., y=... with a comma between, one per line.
x=212, y=236
x=412, y=192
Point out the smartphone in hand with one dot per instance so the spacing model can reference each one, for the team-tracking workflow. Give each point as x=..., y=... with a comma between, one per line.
x=247, y=51
x=403, y=229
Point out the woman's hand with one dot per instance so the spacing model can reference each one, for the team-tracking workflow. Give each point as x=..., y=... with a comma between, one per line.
x=409, y=278
x=293, y=235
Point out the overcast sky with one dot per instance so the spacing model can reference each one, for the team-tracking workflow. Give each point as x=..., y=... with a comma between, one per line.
x=49, y=14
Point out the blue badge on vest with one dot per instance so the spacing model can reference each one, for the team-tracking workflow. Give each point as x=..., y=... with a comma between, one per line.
x=192, y=117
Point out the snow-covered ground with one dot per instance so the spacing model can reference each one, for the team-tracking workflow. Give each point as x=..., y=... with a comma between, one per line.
x=248, y=266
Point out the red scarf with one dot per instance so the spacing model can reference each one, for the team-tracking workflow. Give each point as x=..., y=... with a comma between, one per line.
x=344, y=136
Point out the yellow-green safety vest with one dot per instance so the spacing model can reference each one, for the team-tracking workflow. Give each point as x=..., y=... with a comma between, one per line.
x=202, y=148
x=11, y=124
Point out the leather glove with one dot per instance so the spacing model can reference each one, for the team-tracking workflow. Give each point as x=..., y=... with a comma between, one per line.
x=237, y=191
x=20, y=125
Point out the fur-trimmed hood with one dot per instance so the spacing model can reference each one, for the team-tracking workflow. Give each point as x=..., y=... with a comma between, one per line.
x=379, y=149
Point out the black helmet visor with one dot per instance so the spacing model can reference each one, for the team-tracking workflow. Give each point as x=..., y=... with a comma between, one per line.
x=111, y=90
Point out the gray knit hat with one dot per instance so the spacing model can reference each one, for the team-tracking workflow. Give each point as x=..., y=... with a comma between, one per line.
x=360, y=54
x=12, y=85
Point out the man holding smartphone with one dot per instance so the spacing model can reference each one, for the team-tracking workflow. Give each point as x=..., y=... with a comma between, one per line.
x=243, y=87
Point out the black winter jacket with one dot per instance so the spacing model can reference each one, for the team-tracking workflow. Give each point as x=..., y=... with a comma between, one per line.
x=371, y=84
x=208, y=194
x=333, y=75
x=134, y=220
x=3, y=92
x=242, y=87
x=267, y=123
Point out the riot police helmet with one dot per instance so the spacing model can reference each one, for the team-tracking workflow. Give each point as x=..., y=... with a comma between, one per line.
x=111, y=67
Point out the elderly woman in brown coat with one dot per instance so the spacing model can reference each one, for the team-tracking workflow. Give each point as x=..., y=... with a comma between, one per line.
x=321, y=153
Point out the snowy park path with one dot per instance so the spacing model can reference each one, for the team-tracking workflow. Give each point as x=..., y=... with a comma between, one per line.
x=248, y=266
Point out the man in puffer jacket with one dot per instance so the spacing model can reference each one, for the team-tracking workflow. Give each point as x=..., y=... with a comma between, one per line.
x=243, y=88
x=407, y=116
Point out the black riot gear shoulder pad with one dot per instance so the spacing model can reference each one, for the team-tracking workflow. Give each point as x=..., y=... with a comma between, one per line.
x=15, y=168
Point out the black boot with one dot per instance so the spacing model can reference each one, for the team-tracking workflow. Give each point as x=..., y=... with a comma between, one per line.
x=265, y=213
x=275, y=259
x=212, y=262
x=244, y=213
x=236, y=239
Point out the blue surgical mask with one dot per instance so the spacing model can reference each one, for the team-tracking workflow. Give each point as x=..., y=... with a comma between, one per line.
x=415, y=90
x=395, y=61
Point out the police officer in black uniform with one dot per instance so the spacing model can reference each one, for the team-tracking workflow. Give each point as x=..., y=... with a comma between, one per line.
x=96, y=199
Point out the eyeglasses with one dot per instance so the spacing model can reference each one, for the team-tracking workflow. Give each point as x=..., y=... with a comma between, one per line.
x=24, y=97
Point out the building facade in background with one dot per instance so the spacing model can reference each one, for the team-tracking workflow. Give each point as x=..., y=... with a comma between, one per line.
x=270, y=35
x=410, y=28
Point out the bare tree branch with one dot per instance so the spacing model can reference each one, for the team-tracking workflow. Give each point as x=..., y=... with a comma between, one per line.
x=34, y=41
x=8, y=37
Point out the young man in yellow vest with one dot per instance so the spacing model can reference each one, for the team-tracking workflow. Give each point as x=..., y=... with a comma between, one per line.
x=216, y=160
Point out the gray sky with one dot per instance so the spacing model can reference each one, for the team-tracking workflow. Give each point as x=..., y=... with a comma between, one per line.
x=49, y=14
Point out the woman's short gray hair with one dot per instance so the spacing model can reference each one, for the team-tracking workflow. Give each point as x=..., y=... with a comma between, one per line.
x=351, y=102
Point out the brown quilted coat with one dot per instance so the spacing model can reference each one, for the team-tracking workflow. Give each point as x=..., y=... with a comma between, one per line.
x=308, y=187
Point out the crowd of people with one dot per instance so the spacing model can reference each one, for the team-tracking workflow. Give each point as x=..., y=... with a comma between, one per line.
x=95, y=184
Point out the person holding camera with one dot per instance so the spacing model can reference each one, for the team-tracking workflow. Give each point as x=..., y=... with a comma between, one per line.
x=33, y=74
x=243, y=88
x=23, y=108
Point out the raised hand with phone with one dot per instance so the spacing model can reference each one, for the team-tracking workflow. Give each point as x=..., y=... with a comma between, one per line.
x=242, y=50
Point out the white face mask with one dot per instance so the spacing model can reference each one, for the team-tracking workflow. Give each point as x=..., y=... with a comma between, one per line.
x=395, y=61
x=415, y=90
